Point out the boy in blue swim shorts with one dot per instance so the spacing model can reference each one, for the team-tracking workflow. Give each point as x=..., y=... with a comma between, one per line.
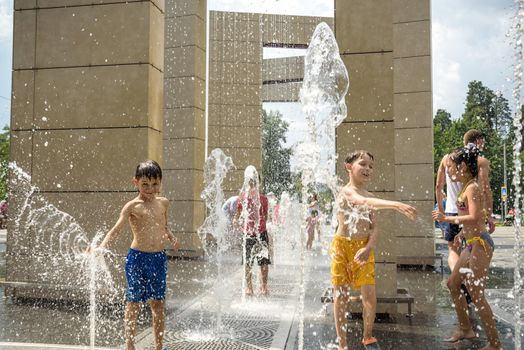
x=146, y=262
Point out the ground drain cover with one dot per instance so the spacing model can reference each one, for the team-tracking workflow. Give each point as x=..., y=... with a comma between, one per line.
x=244, y=332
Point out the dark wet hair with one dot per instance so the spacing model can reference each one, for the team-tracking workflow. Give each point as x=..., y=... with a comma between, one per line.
x=314, y=212
x=473, y=135
x=468, y=155
x=353, y=156
x=149, y=169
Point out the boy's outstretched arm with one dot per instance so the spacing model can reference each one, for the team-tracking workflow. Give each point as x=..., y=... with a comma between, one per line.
x=377, y=203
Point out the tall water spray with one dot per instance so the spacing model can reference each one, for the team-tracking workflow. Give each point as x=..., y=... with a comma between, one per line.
x=215, y=225
x=322, y=96
x=58, y=244
x=518, y=37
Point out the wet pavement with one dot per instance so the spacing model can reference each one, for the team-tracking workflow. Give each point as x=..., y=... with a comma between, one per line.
x=206, y=309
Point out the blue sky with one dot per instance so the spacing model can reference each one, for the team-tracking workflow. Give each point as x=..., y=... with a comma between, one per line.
x=468, y=43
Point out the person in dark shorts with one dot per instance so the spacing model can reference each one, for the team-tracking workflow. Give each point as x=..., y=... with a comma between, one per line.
x=252, y=212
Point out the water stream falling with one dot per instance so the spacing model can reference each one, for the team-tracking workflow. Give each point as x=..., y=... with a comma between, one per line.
x=518, y=37
x=322, y=96
x=215, y=225
x=59, y=244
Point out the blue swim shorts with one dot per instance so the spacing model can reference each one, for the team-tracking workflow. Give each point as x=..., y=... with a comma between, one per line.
x=146, y=275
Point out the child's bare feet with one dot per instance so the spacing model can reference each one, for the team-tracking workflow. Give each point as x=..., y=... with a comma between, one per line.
x=491, y=347
x=460, y=334
x=264, y=291
x=248, y=292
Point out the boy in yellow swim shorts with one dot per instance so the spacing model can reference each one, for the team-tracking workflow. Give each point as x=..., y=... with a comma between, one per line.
x=352, y=257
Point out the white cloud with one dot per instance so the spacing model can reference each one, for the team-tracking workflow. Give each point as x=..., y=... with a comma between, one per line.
x=6, y=20
x=469, y=43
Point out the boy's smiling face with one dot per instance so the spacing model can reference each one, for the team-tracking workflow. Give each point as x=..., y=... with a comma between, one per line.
x=361, y=169
x=148, y=187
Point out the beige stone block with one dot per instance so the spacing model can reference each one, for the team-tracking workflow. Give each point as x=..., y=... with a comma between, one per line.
x=80, y=37
x=363, y=26
x=416, y=246
x=254, y=73
x=411, y=10
x=59, y=277
x=184, y=123
x=70, y=160
x=370, y=96
x=376, y=138
x=73, y=3
x=24, y=33
x=412, y=39
x=21, y=150
x=240, y=115
x=92, y=97
x=414, y=182
x=413, y=110
x=184, y=92
x=22, y=102
x=233, y=136
x=185, y=61
x=186, y=216
x=412, y=74
x=185, y=184
x=254, y=31
x=186, y=7
x=414, y=146
x=156, y=38
x=83, y=208
x=184, y=153
x=424, y=226
x=185, y=31
x=255, y=50
x=24, y=4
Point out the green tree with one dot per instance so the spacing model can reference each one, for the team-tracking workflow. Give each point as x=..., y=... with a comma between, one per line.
x=489, y=111
x=4, y=159
x=276, y=168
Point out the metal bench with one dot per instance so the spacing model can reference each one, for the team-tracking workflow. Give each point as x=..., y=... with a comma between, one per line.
x=403, y=260
x=402, y=297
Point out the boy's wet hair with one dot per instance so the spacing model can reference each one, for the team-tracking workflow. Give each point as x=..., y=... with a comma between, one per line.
x=149, y=169
x=468, y=155
x=314, y=212
x=473, y=135
x=353, y=156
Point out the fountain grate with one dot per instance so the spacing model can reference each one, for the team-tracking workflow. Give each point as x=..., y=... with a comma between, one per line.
x=244, y=332
x=219, y=344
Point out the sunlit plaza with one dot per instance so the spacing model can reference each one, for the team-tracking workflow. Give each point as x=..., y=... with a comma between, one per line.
x=211, y=90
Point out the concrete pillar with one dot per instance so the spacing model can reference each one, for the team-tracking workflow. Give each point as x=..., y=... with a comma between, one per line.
x=412, y=103
x=386, y=47
x=184, y=118
x=364, y=33
x=235, y=84
x=87, y=107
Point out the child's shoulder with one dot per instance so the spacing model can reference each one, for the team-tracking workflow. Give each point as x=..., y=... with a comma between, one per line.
x=163, y=200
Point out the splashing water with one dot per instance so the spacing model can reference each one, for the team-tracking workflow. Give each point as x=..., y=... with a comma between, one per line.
x=215, y=225
x=518, y=36
x=322, y=96
x=58, y=244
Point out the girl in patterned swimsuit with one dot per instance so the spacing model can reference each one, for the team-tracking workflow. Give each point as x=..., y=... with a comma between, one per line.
x=473, y=264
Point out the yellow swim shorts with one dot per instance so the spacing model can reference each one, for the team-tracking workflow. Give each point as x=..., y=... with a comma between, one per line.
x=345, y=271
